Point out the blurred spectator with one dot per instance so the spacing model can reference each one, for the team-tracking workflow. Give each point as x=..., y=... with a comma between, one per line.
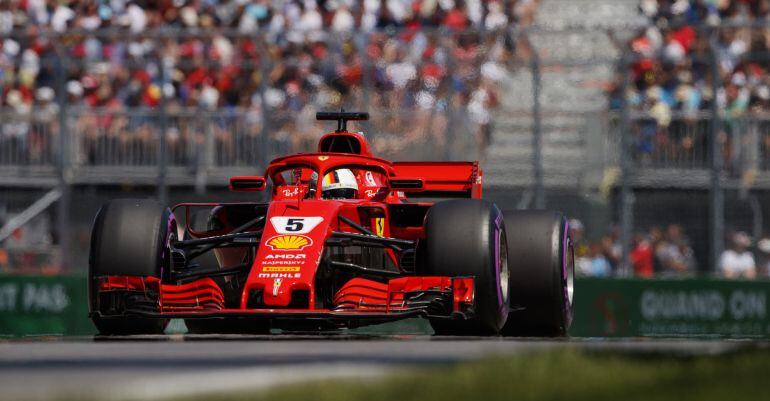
x=593, y=264
x=577, y=235
x=655, y=236
x=611, y=248
x=5, y=265
x=763, y=262
x=674, y=253
x=737, y=261
x=642, y=257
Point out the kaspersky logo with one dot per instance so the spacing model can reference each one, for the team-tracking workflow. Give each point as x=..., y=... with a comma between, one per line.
x=289, y=242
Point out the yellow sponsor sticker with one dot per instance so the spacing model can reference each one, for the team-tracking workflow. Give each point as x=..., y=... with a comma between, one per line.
x=280, y=269
x=288, y=242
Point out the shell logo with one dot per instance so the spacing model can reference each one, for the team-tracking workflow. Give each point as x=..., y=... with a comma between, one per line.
x=289, y=242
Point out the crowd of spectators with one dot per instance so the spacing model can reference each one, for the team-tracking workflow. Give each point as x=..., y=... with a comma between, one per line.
x=744, y=257
x=671, y=77
x=29, y=248
x=657, y=253
x=413, y=60
x=247, y=16
x=667, y=252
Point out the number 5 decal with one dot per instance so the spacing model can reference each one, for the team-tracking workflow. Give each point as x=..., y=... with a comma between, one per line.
x=295, y=225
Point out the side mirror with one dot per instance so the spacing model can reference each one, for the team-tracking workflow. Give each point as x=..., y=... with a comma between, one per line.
x=407, y=184
x=248, y=183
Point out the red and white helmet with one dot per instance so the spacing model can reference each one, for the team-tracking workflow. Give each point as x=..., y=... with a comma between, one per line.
x=339, y=184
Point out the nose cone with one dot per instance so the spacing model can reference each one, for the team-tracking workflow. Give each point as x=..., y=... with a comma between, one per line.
x=287, y=259
x=276, y=294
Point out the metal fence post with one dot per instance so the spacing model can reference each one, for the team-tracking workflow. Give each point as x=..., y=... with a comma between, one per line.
x=366, y=68
x=626, y=158
x=264, y=72
x=537, y=142
x=64, y=164
x=208, y=157
x=451, y=113
x=716, y=196
x=162, y=145
x=362, y=41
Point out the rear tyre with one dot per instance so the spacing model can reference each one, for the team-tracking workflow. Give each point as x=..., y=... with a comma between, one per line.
x=541, y=274
x=466, y=237
x=130, y=238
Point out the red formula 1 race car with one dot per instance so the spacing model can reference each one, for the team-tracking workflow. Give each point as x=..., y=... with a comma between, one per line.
x=347, y=239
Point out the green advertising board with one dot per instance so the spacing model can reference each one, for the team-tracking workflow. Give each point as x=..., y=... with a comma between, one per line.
x=671, y=307
x=43, y=305
x=57, y=305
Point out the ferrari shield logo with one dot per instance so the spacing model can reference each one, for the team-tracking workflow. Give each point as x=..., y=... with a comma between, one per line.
x=379, y=226
x=276, y=285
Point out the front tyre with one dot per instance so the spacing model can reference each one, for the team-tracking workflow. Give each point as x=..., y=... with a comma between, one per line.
x=541, y=266
x=466, y=237
x=130, y=237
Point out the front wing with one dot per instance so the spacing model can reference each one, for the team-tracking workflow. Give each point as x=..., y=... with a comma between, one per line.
x=359, y=299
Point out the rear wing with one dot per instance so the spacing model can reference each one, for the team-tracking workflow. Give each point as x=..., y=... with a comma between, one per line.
x=443, y=179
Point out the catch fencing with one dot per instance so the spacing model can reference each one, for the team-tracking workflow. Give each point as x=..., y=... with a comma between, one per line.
x=681, y=142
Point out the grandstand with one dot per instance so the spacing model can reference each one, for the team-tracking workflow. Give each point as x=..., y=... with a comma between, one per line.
x=578, y=54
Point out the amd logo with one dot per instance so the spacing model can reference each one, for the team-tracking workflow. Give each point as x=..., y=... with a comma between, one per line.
x=286, y=256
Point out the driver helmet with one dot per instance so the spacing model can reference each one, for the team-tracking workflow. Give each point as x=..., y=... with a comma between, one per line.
x=339, y=184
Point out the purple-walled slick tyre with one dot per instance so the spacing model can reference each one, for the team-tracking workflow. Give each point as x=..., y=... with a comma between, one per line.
x=541, y=282
x=467, y=237
x=130, y=237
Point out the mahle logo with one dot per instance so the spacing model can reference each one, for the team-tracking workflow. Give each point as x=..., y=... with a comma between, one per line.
x=289, y=242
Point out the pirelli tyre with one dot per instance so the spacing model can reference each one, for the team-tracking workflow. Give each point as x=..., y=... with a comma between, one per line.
x=467, y=237
x=541, y=266
x=130, y=237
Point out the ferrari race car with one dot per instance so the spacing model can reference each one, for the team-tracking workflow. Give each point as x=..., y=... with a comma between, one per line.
x=347, y=239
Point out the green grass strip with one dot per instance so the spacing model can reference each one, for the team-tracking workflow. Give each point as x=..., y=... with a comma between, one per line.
x=554, y=375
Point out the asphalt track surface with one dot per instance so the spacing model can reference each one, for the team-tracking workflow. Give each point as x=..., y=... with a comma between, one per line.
x=154, y=367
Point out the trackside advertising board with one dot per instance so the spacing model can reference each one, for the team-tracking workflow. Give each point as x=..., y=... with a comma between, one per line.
x=43, y=305
x=671, y=307
x=57, y=305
